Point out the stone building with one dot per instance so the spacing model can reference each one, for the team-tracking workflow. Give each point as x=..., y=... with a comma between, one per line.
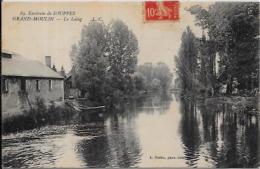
x=24, y=80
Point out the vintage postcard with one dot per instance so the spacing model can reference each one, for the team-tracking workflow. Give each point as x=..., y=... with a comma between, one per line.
x=144, y=84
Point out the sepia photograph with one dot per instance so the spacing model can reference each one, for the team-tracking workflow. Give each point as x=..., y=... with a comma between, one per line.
x=130, y=84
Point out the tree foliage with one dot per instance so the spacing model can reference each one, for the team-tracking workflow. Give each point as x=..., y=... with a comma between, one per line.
x=186, y=62
x=104, y=60
x=163, y=73
x=232, y=29
x=122, y=54
x=157, y=77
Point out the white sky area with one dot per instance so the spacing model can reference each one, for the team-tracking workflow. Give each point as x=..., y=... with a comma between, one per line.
x=158, y=41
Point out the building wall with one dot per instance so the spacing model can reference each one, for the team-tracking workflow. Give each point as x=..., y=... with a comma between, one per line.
x=15, y=100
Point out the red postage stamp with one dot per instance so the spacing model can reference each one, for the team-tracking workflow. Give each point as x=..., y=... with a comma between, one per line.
x=161, y=10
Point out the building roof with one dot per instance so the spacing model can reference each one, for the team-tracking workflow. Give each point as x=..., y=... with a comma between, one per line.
x=19, y=66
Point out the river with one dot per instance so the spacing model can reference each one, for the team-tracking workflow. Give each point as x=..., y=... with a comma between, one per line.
x=151, y=132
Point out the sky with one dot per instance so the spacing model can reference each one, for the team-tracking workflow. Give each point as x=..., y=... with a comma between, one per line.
x=158, y=41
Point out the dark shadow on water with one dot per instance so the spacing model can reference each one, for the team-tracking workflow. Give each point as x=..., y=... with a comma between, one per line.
x=190, y=132
x=230, y=138
x=112, y=145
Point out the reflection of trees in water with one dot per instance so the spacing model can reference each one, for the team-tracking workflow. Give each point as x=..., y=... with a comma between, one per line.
x=115, y=144
x=230, y=139
x=252, y=143
x=190, y=132
x=240, y=142
x=210, y=129
x=124, y=145
x=228, y=150
x=94, y=149
x=112, y=145
x=211, y=133
x=154, y=103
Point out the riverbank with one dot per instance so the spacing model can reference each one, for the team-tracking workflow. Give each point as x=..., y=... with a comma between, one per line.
x=244, y=104
x=238, y=103
x=38, y=116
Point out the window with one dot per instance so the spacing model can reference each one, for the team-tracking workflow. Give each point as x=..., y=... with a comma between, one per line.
x=37, y=85
x=23, y=85
x=50, y=85
x=5, y=85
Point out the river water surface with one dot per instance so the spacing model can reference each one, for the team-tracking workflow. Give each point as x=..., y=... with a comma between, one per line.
x=152, y=132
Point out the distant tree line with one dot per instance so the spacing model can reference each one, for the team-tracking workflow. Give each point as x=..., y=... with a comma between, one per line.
x=225, y=60
x=154, y=78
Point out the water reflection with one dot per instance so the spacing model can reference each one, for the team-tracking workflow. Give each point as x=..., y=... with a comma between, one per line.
x=32, y=148
x=114, y=144
x=93, y=151
x=215, y=135
x=192, y=133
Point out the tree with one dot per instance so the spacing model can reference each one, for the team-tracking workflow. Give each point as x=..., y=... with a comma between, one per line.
x=156, y=84
x=139, y=81
x=147, y=69
x=89, y=61
x=122, y=54
x=186, y=62
x=163, y=74
x=104, y=60
x=206, y=59
x=156, y=76
x=233, y=27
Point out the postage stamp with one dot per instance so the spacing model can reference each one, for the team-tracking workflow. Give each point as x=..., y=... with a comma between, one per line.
x=161, y=10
